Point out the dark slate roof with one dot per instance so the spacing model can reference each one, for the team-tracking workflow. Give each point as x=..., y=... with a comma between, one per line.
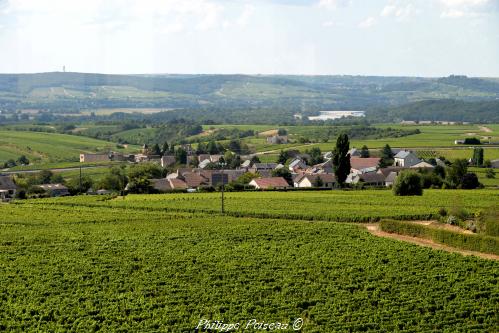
x=6, y=183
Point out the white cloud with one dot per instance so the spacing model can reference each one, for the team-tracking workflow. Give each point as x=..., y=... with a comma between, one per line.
x=400, y=11
x=169, y=15
x=328, y=24
x=464, y=3
x=465, y=8
x=367, y=23
x=333, y=4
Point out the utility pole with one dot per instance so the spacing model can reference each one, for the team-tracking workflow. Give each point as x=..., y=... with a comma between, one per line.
x=222, y=164
x=80, y=179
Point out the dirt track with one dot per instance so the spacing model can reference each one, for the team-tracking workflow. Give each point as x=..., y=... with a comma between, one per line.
x=375, y=230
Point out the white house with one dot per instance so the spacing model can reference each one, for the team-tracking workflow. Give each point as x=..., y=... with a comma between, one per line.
x=405, y=159
x=327, y=180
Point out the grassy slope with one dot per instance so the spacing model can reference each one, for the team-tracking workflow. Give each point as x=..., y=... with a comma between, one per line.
x=48, y=147
x=85, y=269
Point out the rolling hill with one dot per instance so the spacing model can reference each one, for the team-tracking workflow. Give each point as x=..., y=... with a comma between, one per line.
x=42, y=147
x=73, y=92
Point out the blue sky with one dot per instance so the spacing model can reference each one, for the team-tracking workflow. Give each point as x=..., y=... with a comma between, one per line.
x=375, y=37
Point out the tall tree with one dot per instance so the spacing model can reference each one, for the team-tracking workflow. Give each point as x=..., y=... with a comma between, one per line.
x=341, y=159
x=181, y=156
x=478, y=156
x=386, y=156
x=155, y=149
x=455, y=173
x=364, y=152
x=166, y=149
x=283, y=157
x=284, y=173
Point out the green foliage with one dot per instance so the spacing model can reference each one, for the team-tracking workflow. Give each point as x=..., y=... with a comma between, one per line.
x=155, y=150
x=247, y=177
x=456, y=172
x=148, y=170
x=364, y=152
x=283, y=157
x=440, y=110
x=386, y=156
x=478, y=156
x=140, y=185
x=284, y=173
x=115, y=180
x=469, y=181
x=490, y=217
x=75, y=186
x=315, y=156
x=472, y=141
x=282, y=131
x=490, y=173
x=181, y=156
x=341, y=159
x=23, y=160
x=317, y=182
x=408, y=183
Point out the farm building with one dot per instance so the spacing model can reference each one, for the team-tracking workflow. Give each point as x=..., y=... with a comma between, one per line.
x=277, y=139
x=89, y=158
x=8, y=188
x=55, y=190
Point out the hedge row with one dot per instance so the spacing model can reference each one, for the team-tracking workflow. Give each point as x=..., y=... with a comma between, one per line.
x=471, y=242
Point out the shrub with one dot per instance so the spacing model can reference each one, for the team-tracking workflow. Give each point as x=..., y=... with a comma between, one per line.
x=442, y=212
x=470, y=181
x=408, y=183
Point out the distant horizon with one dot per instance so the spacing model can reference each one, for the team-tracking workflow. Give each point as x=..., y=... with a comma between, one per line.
x=247, y=74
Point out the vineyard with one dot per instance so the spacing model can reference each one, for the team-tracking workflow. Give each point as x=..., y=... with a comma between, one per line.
x=344, y=206
x=161, y=263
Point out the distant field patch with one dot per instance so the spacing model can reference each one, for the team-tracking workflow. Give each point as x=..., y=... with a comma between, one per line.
x=107, y=112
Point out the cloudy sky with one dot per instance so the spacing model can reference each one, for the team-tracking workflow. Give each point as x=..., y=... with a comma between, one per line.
x=365, y=37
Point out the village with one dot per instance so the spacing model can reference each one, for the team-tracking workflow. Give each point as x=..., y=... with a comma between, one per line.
x=191, y=171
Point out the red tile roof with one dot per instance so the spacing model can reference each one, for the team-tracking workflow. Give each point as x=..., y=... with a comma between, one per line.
x=178, y=184
x=359, y=163
x=272, y=182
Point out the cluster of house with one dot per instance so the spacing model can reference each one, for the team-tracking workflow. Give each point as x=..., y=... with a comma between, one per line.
x=8, y=189
x=363, y=170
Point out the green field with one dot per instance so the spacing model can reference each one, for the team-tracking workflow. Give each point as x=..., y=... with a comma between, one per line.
x=433, y=141
x=42, y=148
x=142, y=264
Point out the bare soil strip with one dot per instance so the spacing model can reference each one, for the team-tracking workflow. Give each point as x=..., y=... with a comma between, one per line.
x=485, y=129
x=374, y=229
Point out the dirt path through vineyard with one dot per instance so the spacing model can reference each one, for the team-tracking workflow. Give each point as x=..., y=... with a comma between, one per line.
x=374, y=229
